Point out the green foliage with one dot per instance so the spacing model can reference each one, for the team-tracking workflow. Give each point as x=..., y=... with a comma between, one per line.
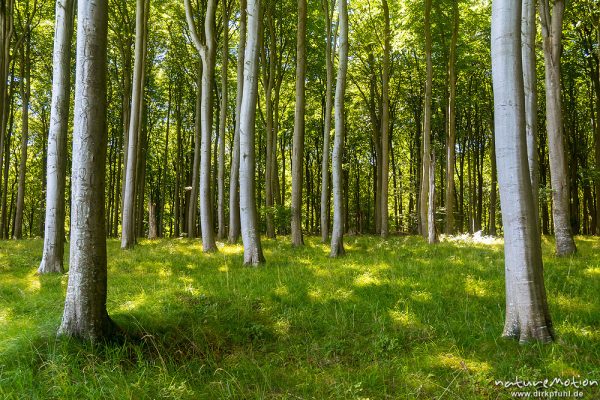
x=394, y=319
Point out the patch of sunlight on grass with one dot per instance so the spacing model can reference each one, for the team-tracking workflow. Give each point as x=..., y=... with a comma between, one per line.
x=316, y=294
x=322, y=272
x=573, y=304
x=560, y=368
x=452, y=361
x=593, y=272
x=229, y=249
x=34, y=283
x=5, y=316
x=282, y=327
x=223, y=268
x=405, y=319
x=584, y=332
x=342, y=294
x=164, y=272
x=475, y=287
x=366, y=279
x=282, y=290
x=134, y=303
x=421, y=295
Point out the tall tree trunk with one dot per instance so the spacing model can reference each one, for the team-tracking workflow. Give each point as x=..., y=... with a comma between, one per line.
x=325, y=190
x=551, y=34
x=165, y=163
x=431, y=233
x=253, y=254
x=25, y=92
x=234, y=195
x=128, y=238
x=451, y=142
x=385, y=122
x=222, y=125
x=85, y=314
x=269, y=59
x=193, y=206
x=298, y=143
x=337, y=234
x=6, y=34
x=426, y=149
x=493, y=189
x=207, y=50
x=528, y=33
x=527, y=314
x=54, y=237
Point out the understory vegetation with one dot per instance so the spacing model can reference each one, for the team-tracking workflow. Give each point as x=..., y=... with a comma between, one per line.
x=395, y=319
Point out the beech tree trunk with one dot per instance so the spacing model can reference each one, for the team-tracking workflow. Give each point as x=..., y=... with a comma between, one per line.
x=298, y=140
x=426, y=148
x=337, y=234
x=207, y=50
x=253, y=254
x=222, y=126
x=85, y=314
x=325, y=189
x=551, y=33
x=431, y=233
x=25, y=92
x=54, y=237
x=451, y=141
x=527, y=316
x=385, y=123
x=193, y=205
x=234, y=195
x=128, y=237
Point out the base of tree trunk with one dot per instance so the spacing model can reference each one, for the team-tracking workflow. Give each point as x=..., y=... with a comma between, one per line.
x=50, y=266
x=209, y=248
x=337, y=249
x=254, y=257
x=94, y=332
x=531, y=333
x=565, y=246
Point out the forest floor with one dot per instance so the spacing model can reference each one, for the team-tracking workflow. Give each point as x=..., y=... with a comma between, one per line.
x=394, y=319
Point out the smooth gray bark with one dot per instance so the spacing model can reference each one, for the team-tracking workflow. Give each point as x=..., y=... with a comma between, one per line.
x=337, y=234
x=426, y=148
x=85, y=314
x=234, y=194
x=54, y=237
x=385, y=122
x=551, y=21
x=527, y=316
x=222, y=126
x=253, y=254
x=25, y=92
x=128, y=224
x=193, y=204
x=299, y=125
x=451, y=140
x=431, y=232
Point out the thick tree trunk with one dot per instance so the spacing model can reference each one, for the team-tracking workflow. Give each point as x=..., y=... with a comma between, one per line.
x=128, y=237
x=527, y=314
x=337, y=234
x=451, y=141
x=385, y=123
x=298, y=141
x=54, y=237
x=234, y=195
x=325, y=190
x=426, y=148
x=253, y=254
x=222, y=126
x=551, y=34
x=85, y=314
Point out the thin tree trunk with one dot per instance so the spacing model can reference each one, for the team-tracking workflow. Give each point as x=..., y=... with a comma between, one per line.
x=25, y=92
x=128, y=237
x=193, y=206
x=85, y=314
x=431, y=233
x=222, y=125
x=385, y=123
x=298, y=142
x=551, y=34
x=54, y=237
x=527, y=316
x=426, y=150
x=451, y=142
x=337, y=234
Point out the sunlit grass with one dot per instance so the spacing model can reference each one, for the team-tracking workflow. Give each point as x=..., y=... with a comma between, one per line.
x=393, y=319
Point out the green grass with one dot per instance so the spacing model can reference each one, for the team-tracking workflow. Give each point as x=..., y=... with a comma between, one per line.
x=394, y=319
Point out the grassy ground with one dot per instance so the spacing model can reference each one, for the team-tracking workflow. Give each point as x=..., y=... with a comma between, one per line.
x=393, y=319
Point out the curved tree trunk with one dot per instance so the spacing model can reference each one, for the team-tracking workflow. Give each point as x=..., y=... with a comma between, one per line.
x=128, y=238
x=85, y=314
x=253, y=254
x=234, y=195
x=54, y=237
x=527, y=316
x=385, y=123
x=298, y=140
x=337, y=234
x=551, y=34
